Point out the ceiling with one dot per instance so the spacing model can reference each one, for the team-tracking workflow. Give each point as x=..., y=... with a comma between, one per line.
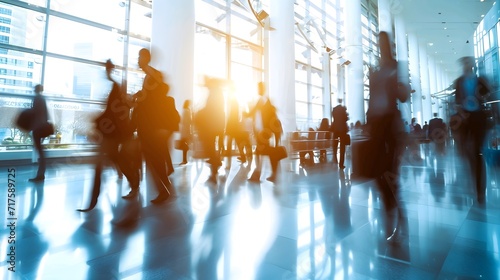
x=446, y=27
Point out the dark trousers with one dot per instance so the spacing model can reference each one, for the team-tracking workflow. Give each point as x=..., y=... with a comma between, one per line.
x=157, y=156
x=127, y=163
x=264, y=148
x=385, y=151
x=339, y=138
x=37, y=139
x=473, y=134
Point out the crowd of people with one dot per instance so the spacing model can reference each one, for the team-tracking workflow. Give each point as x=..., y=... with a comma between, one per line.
x=144, y=128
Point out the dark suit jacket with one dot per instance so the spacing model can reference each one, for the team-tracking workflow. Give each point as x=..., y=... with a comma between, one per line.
x=39, y=111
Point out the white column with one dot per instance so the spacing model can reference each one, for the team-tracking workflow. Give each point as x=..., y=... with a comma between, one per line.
x=354, y=53
x=414, y=66
x=384, y=16
x=402, y=54
x=432, y=85
x=172, y=46
x=327, y=97
x=282, y=61
x=172, y=50
x=424, y=83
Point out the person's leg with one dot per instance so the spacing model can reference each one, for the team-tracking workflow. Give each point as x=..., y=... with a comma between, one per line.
x=96, y=186
x=335, y=146
x=128, y=163
x=342, y=154
x=168, y=158
x=274, y=167
x=478, y=132
x=40, y=175
x=184, y=156
x=154, y=154
x=262, y=143
x=240, y=143
x=214, y=159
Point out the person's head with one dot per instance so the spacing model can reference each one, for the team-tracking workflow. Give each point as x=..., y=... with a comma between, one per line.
x=467, y=63
x=187, y=103
x=325, y=124
x=144, y=58
x=109, y=67
x=385, y=45
x=261, y=88
x=435, y=115
x=38, y=89
x=339, y=100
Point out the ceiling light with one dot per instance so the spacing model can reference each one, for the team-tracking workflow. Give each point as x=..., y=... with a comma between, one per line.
x=431, y=44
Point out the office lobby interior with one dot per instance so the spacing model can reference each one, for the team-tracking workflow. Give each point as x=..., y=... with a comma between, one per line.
x=316, y=220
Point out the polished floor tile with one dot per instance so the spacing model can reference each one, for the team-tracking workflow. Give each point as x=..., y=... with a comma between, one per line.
x=315, y=222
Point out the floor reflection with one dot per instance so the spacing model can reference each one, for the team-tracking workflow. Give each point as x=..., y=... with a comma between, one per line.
x=315, y=222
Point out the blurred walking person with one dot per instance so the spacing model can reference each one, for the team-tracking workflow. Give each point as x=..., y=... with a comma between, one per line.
x=40, y=117
x=114, y=129
x=209, y=122
x=471, y=92
x=186, y=134
x=155, y=119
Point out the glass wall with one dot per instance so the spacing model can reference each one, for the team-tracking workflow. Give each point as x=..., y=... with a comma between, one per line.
x=228, y=45
x=63, y=45
x=318, y=41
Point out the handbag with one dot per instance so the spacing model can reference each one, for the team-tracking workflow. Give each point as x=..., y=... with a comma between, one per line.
x=347, y=139
x=279, y=152
x=24, y=120
x=45, y=129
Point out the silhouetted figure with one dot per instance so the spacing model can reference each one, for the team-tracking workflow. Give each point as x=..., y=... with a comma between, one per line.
x=471, y=92
x=266, y=124
x=425, y=129
x=115, y=129
x=385, y=124
x=324, y=134
x=210, y=122
x=40, y=116
x=243, y=140
x=339, y=128
x=186, y=135
x=233, y=126
x=437, y=133
x=152, y=116
x=308, y=156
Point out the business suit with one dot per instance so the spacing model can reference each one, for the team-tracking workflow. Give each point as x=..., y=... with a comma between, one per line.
x=40, y=117
x=339, y=129
x=470, y=92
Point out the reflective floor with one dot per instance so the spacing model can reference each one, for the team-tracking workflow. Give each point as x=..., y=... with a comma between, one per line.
x=315, y=222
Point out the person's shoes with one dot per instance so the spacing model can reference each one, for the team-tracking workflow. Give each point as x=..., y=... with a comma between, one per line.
x=271, y=178
x=183, y=163
x=341, y=166
x=242, y=159
x=131, y=194
x=37, y=179
x=212, y=179
x=255, y=177
x=160, y=198
x=92, y=206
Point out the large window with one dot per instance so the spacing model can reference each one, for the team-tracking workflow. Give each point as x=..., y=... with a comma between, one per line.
x=318, y=44
x=228, y=45
x=64, y=46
